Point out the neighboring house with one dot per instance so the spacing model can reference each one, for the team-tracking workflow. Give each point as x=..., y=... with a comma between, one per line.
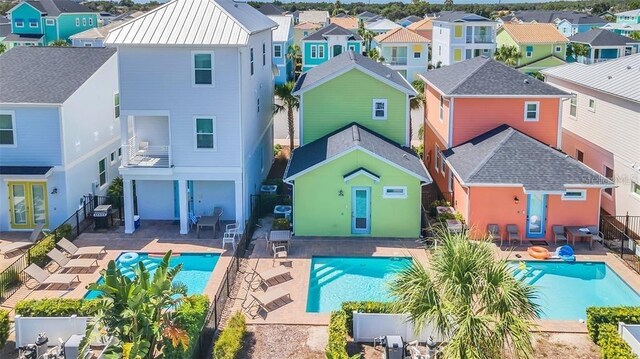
x=459, y=36
x=572, y=26
x=315, y=16
x=381, y=26
x=39, y=23
x=271, y=9
x=303, y=30
x=626, y=23
x=404, y=51
x=205, y=141
x=5, y=27
x=94, y=37
x=406, y=21
x=567, y=22
x=59, y=132
x=282, y=40
x=355, y=174
x=491, y=134
x=366, y=16
x=346, y=22
x=326, y=43
x=604, y=45
x=423, y=27
x=541, y=45
x=600, y=125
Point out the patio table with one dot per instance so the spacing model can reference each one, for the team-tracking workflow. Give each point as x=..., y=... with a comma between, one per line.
x=575, y=232
x=207, y=221
x=279, y=238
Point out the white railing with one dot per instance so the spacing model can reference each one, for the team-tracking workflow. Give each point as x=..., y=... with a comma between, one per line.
x=369, y=326
x=397, y=60
x=630, y=333
x=137, y=155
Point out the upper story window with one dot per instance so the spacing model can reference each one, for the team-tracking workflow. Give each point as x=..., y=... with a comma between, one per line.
x=113, y=157
x=457, y=31
x=417, y=54
x=573, y=105
x=441, y=114
x=277, y=51
x=320, y=52
x=531, y=111
x=102, y=172
x=251, y=60
x=379, y=109
x=77, y=22
x=592, y=104
x=19, y=22
x=84, y=22
x=258, y=104
x=90, y=21
x=580, y=156
x=305, y=33
x=264, y=54
x=314, y=51
x=608, y=173
x=439, y=160
x=205, y=133
x=203, y=68
x=33, y=23
x=50, y=22
x=116, y=105
x=439, y=50
x=7, y=129
x=529, y=51
x=558, y=48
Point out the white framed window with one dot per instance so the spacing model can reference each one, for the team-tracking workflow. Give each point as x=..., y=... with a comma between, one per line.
x=205, y=132
x=314, y=51
x=394, y=192
x=416, y=54
x=531, y=110
x=251, y=60
x=84, y=22
x=440, y=48
x=203, y=64
x=635, y=189
x=49, y=22
x=90, y=21
x=33, y=23
x=277, y=51
x=320, y=52
x=436, y=157
x=116, y=105
x=102, y=172
x=113, y=157
x=88, y=44
x=573, y=105
x=77, y=22
x=441, y=114
x=264, y=54
x=575, y=195
x=379, y=109
x=592, y=104
x=608, y=173
x=558, y=48
x=352, y=48
x=529, y=51
x=7, y=129
x=19, y=23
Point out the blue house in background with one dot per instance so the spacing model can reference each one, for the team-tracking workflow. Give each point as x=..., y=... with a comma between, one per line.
x=327, y=43
x=603, y=45
x=282, y=40
x=580, y=23
x=626, y=23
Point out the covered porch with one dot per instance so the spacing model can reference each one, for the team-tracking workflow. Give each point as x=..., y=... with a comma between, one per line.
x=147, y=141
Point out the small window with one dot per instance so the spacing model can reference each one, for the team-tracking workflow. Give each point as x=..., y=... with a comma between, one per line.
x=203, y=68
x=440, y=48
x=19, y=23
x=379, y=109
x=33, y=23
x=205, y=133
x=441, y=108
x=277, y=51
x=558, y=48
x=575, y=195
x=102, y=172
x=305, y=33
x=251, y=60
x=531, y=111
x=608, y=173
x=116, y=105
x=90, y=21
x=635, y=188
x=592, y=104
x=84, y=22
x=314, y=51
x=264, y=54
x=320, y=52
x=88, y=44
x=352, y=48
x=7, y=129
x=398, y=192
x=77, y=22
x=120, y=153
x=437, y=158
x=113, y=157
x=258, y=105
x=50, y=22
x=416, y=54
x=580, y=156
x=529, y=51
x=457, y=31
x=573, y=107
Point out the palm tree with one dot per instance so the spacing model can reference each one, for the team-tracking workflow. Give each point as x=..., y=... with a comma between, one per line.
x=635, y=35
x=289, y=103
x=580, y=50
x=59, y=43
x=471, y=298
x=367, y=36
x=374, y=55
x=448, y=5
x=294, y=53
x=337, y=8
x=416, y=102
x=508, y=54
x=3, y=48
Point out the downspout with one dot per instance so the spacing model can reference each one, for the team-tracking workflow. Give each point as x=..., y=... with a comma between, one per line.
x=242, y=144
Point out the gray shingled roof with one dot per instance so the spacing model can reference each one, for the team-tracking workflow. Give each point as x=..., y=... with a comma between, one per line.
x=332, y=29
x=484, y=76
x=23, y=37
x=271, y=9
x=57, y=7
x=543, y=16
x=47, y=74
x=350, y=59
x=507, y=156
x=460, y=16
x=351, y=137
x=411, y=18
x=601, y=37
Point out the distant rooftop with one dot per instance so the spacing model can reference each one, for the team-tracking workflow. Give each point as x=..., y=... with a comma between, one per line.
x=320, y=17
x=332, y=29
x=635, y=12
x=285, y=24
x=57, y=7
x=601, y=37
x=271, y=9
x=400, y=35
x=102, y=31
x=460, y=16
x=533, y=33
x=544, y=16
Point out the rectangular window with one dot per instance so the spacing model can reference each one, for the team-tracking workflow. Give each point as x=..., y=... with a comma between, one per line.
x=277, y=51
x=77, y=22
x=529, y=51
x=580, y=156
x=352, y=48
x=84, y=22
x=90, y=21
x=264, y=54
x=7, y=129
x=558, y=48
x=635, y=188
x=394, y=192
x=205, y=133
x=573, y=106
x=439, y=50
x=592, y=104
x=575, y=195
x=457, y=54
x=314, y=51
x=608, y=173
x=436, y=158
x=19, y=23
x=116, y=105
x=439, y=158
x=113, y=157
x=203, y=68
x=258, y=105
x=120, y=153
x=320, y=52
x=251, y=60
x=531, y=111
x=88, y=44
x=379, y=109
x=305, y=33
x=33, y=23
x=457, y=31
x=102, y=172
x=416, y=55
x=441, y=108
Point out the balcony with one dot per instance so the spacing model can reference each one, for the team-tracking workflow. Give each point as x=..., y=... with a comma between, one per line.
x=479, y=39
x=144, y=154
x=397, y=60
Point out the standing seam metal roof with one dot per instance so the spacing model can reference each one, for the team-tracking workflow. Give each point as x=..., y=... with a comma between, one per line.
x=283, y=32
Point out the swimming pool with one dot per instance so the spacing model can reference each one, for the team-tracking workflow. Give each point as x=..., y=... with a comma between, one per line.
x=565, y=290
x=195, y=273
x=334, y=280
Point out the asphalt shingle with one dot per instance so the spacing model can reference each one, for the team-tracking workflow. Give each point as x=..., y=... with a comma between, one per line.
x=332, y=29
x=601, y=37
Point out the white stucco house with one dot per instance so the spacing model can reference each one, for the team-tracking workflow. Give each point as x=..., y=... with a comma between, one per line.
x=196, y=104
x=404, y=51
x=459, y=36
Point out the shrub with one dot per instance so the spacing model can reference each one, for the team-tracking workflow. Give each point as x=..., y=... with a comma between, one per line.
x=363, y=307
x=38, y=252
x=4, y=327
x=419, y=150
x=64, y=230
x=612, y=346
x=229, y=342
x=190, y=317
x=280, y=224
x=597, y=316
x=56, y=307
x=276, y=149
x=337, y=345
x=444, y=216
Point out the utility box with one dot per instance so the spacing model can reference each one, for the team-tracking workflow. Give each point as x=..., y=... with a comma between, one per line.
x=393, y=347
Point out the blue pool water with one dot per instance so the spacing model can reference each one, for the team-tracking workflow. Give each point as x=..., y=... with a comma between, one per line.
x=565, y=290
x=195, y=273
x=334, y=280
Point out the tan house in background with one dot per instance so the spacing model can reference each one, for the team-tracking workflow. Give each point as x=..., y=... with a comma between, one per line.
x=304, y=29
x=423, y=27
x=349, y=23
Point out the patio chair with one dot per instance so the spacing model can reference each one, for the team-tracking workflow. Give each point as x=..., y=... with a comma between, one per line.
x=596, y=236
x=259, y=278
x=9, y=248
x=279, y=253
x=558, y=234
x=229, y=237
x=494, y=233
x=67, y=263
x=44, y=278
x=75, y=251
x=268, y=301
x=513, y=234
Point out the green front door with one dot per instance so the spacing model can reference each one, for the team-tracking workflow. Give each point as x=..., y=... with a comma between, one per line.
x=361, y=210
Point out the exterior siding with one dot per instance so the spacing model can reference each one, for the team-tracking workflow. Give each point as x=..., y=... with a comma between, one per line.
x=37, y=137
x=50, y=31
x=445, y=42
x=432, y=114
x=349, y=98
x=67, y=24
x=539, y=52
x=25, y=12
x=414, y=66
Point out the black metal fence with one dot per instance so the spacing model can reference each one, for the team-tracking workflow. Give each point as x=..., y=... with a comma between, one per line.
x=621, y=234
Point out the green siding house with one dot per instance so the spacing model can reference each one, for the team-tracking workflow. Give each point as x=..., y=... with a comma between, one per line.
x=541, y=45
x=355, y=174
x=39, y=23
x=326, y=43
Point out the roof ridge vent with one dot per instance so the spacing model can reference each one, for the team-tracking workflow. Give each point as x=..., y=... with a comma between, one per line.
x=355, y=133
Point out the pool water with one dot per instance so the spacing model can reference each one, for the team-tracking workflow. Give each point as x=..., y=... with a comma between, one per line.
x=195, y=273
x=565, y=290
x=334, y=280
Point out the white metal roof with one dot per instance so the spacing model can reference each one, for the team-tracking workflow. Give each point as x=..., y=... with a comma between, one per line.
x=283, y=32
x=193, y=22
x=383, y=24
x=635, y=12
x=620, y=77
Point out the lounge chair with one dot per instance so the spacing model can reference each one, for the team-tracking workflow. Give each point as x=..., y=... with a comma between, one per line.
x=44, y=278
x=513, y=234
x=596, y=236
x=68, y=263
x=82, y=251
x=268, y=301
x=18, y=246
x=559, y=235
x=279, y=274
x=494, y=233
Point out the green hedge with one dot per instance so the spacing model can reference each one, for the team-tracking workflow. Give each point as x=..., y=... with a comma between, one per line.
x=337, y=345
x=363, y=307
x=190, y=317
x=38, y=252
x=612, y=346
x=597, y=316
x=56, y=307
x=229, y=343
x=4, y=327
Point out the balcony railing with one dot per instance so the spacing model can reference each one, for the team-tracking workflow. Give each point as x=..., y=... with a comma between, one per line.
x=141, y=154
x=397, y=60
x=480, y=39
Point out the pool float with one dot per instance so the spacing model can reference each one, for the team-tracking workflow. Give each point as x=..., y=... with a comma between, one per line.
x=128, y=259
x=565, y=253
x=538, y=252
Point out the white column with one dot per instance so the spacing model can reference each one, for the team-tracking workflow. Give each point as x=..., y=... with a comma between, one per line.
x=184, y=210
x=127, y=185
x=239, y=205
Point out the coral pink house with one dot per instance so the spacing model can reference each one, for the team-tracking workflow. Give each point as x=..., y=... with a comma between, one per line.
x=492, y=136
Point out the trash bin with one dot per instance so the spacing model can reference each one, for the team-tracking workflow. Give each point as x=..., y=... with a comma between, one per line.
x=136, y=222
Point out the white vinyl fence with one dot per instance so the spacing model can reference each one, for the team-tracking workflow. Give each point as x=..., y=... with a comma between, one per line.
x=631, y=334
x=28, y=328
x=368, y=326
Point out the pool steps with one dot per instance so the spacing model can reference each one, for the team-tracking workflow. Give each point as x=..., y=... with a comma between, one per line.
x=149, y=264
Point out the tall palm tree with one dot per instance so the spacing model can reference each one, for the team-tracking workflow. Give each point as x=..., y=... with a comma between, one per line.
x=508, y=54
x=416, y=102
x=289, y=103
x=367, y=36
x=448, y=5
x=294, y=53
x=337, y=8
x=471, y=298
